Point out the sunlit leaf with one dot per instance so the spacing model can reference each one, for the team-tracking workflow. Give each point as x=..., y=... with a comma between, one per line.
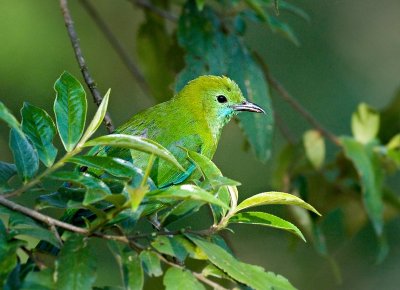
x=212, y=174
x=151, y=263
x=114, y=166
x=178, y=279
x=76, y=264
x=40, y=129
x=25, y=155
x=211, y=270
x=315, y=147
x=369, y=171
x=97, y=119
x=365, y=123
x=253, y=276
x=96, y=189
x=265, y=219
x=70, y=108
x=136, y=143
x=185, y=191
x=8, y=117
x=274, y=197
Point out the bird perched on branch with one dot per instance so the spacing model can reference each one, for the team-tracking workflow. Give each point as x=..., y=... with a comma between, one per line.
x=193, y=119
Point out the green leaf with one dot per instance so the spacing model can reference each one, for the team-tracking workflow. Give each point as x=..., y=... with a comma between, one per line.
x=8, y=255
x=170, y=246
x=211, y=270
x=114, y=166
x=25, y=155
x=365, y=123
x=369, y=172
x=185, y=191
x=130, y=264
x=63, y=198
x=151, y=263
x=20, y=224
x=40, y=129
x=295, y=10
x=96, y=189
x=258, y=8
x=7, y=170
x=274, y=197
x=394, y=142
x=212, y=174
x=70, y=108
x=266, y=219
x=253, y=276
x=136, y=143
x=97, y=119
x=7, y=117
x=42, y=280
x=282, y=28
x=178, y=279
x=211, y=49
x=76, y=264
x=315, y=148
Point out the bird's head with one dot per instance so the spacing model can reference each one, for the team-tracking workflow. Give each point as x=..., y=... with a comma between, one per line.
x=218, y=98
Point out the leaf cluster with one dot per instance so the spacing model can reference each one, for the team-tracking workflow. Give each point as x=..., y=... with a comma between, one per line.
x=113, y=205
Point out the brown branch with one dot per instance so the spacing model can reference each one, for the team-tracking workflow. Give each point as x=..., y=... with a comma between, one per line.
x=154, y=9
x=118, y=47
x=274, y=83
x=82, y=63
x=41, y=217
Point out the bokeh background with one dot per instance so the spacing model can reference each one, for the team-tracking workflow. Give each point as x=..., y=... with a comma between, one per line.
x=349, y=53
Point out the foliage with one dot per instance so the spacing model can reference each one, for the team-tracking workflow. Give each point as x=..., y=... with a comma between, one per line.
x=113, y=205
x=207, y=38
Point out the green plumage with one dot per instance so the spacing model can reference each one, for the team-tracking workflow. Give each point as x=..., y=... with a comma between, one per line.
x=192, y=119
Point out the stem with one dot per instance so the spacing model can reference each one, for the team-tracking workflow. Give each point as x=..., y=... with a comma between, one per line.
x=116, y=44
x=148, y=170
x=82, y=63
x=150, y=7
x=46, y=172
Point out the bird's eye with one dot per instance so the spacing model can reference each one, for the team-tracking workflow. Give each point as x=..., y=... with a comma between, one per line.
x=221, y=99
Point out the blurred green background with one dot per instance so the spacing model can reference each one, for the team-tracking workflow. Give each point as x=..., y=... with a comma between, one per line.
x=348, y=54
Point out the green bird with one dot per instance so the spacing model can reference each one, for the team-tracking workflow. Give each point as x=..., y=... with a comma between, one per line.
x=193, y=119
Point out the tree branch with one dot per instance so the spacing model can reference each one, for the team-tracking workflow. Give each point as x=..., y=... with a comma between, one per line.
x=82, y=63
x=274, y=83
x=116, y=44
x=150, y=7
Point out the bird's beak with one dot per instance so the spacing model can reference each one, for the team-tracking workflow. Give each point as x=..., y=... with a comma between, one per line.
x=249, y=107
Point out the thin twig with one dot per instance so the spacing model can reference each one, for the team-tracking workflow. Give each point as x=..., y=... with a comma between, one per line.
x=82, y=63
x=118, y=47
x=283, y=128
x=274, y=83
x=154, y=9
x=41, y=217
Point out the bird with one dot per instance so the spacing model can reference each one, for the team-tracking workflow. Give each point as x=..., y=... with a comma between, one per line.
x=193, y=119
